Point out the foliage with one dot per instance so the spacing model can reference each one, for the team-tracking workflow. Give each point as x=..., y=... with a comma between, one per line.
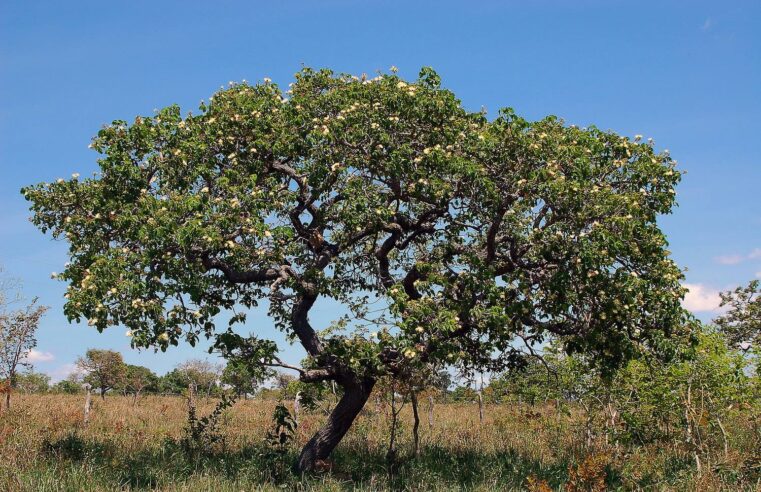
x=104, y=369
x=33, y=382
x=67, y=386
x=278, y=441
x=241, y=378
x=480, y=239
x=203, y=435
x=17, y=339
x=683, y=401
x=202, y=374
x=533, y=383
x=137, y=379
x=741, y=324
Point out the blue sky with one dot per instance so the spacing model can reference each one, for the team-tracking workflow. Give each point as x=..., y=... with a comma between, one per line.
x=687, y=74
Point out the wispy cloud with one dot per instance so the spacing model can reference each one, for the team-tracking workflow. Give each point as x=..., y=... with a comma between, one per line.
x=62, y=372
x=700, y=298
x=729, y=259
x=735, y=259
x=707, y=25
x=37, y=356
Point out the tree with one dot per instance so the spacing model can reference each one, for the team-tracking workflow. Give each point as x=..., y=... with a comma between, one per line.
x=136, y=379
x=480, y=238
x=742, y=322
x=202, y=374
x=105, y=369
x=241, y=377
x=33, y=382
x=17, y=339
x=67, y=386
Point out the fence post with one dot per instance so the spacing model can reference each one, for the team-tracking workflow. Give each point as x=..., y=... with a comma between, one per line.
x=88, y=403
x=296, y=406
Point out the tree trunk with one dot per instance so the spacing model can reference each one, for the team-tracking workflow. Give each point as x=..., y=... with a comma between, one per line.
x=8, y=399
x=103, y=394
x=326, y=439
x=416, y=424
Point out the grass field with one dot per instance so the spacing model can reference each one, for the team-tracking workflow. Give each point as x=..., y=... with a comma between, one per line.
x=44, y=446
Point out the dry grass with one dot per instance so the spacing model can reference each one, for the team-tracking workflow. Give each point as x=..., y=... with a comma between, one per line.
x=43, y=446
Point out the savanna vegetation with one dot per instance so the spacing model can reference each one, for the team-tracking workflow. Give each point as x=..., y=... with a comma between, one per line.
x=507, y=314
x=682, y=426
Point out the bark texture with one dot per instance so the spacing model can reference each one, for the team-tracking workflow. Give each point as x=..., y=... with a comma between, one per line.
x=356, y=393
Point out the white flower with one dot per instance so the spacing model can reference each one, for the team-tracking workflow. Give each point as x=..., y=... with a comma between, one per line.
x=60, y=181
x=164, y=337
x=75, y=175
x=267, y=80
x=128, y=333
x=205, y=189
x=420, y=329
x=53, y=275
x=637, y=138
x=267, y=234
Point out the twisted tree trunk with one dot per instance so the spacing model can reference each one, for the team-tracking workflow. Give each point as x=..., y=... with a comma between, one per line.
x=416, y=424
x=356, y=393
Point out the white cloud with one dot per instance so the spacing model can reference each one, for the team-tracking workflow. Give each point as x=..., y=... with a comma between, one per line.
x=729, y=259
x=708, y=24
x=62, y=372
x=734, y=259
x=700, y=298
x=35, y=355
x=758, y=274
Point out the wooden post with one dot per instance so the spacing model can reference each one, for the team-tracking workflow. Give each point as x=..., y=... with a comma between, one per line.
x=296, y=406
x=430, y=411
x=191, y=397
x=481, y=401
x=88, y=403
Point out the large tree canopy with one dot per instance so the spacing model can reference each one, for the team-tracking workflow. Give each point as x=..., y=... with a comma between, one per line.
x=462, y=240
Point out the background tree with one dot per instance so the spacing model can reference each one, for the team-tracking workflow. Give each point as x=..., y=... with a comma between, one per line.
x=104, y=369
x=482, y=238
x=67, y=386
x=241, y=377
x=137, y=379
x=742, y=322
x=17, y=339
x=33, y=382
x=202, y=374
